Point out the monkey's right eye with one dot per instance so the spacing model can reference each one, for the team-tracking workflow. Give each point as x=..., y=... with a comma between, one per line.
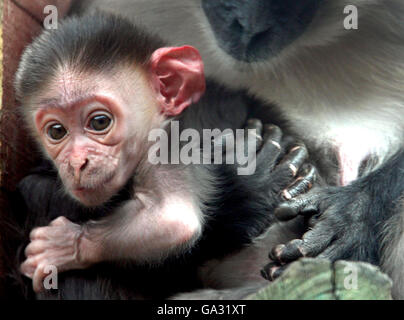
x=56, y=131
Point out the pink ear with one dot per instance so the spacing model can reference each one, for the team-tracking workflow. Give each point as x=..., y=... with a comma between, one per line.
x=178, y=78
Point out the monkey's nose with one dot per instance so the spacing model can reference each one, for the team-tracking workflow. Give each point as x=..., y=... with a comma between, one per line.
x=78, y=166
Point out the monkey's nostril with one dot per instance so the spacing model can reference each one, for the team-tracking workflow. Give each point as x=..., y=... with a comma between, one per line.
x=84, y=165
x=236, y=27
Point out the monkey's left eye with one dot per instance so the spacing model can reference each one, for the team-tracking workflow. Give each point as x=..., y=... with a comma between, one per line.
x=100, y=122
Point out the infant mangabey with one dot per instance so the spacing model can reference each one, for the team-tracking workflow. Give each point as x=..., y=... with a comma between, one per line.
x=91, y=92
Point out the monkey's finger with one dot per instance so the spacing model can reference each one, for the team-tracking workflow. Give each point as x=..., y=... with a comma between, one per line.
x=256, y=125
x=253, y=130
x=313, y=243
x=283, y=175
x=271, y=147
x=295, y=158
x=284, y=253
x=302, y=184
x=28, y=267
x=306, y=205
x=287, y=143
x=272, y=271
x=37, y=280
x=60, y=221
x=35, y=247
x=273, y=134
x=39, y=233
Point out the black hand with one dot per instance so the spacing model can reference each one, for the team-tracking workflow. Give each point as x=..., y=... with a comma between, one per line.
x=289, y=174
x=340, y=228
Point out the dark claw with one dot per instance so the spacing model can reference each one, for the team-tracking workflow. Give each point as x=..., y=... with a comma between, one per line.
x=272, y=140
x=271, y=147
x=291, y=252
x=274, y=254
x=306, y=205
x=287, y=144
x=265, y=274
x=286, y=211
x=302, y=184
x=273, y=134
x=296, y=157
x=254, y=124
x=276, y=272
x=272, y=271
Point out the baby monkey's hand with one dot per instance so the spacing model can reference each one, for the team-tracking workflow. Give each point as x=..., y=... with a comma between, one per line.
x=55, y=245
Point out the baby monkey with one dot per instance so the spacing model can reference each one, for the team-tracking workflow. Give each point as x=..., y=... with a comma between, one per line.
x=91, y=92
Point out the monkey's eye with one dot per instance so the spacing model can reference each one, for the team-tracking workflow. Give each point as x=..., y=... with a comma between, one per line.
x=56, y=131
x=100, y=122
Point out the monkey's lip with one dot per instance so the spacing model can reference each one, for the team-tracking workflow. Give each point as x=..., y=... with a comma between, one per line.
x=82, y=190
x=99, y=186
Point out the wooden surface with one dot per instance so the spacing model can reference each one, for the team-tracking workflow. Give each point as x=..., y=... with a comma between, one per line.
x=315, y=279
x=1, y=53
x=2, y=286
x=21, y=20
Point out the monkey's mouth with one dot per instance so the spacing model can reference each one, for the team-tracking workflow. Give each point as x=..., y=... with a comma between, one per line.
x=80, y=191
x=87, y=196
x=94, y=186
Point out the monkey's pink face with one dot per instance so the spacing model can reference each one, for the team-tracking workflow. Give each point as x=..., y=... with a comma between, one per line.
x=85, y=141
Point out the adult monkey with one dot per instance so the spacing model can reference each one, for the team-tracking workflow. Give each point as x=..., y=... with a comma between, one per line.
x=90, y=92
x=342, y=90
